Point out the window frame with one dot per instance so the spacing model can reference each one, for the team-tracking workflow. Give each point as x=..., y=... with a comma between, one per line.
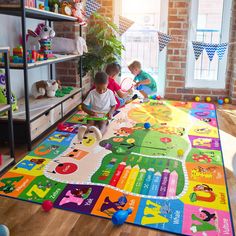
x=220, y=83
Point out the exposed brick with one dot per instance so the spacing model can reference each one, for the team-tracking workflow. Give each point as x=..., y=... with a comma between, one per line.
x=176, y=84
x=202, y=91
x=170, y=90
x=173, y=96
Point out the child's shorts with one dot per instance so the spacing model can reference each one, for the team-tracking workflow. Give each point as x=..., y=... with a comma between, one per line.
x=145, y=89
x=122, y=101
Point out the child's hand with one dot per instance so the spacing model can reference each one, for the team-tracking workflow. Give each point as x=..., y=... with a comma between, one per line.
x=110, y=115
x=92, y=113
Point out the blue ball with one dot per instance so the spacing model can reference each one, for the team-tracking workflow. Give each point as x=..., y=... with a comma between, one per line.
x=147, y=125
x=154, y=97
x=220, y=102
x=4, y=231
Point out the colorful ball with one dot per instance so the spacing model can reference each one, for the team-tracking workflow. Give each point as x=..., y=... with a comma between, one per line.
x=220, y=101
x=154, y=97
x=208, y=99
x=4, y=231
x=158, y=97
x=197, y=99
x=180, y=152
x=226, y=100
x=47, y=205
x=147, y=125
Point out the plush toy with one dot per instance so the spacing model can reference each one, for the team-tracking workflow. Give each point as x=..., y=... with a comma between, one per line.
x=44, y=88
x=3, y=92
x=69, y=46
x=78, y=12
x=42, y=32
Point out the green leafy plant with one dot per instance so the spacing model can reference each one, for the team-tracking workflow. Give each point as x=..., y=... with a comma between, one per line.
x=103, y=44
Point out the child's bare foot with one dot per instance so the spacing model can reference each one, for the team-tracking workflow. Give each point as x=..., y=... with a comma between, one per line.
x=81, y=131
x=96, y=131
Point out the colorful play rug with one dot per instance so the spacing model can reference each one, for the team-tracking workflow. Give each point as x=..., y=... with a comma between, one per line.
x=171, y=175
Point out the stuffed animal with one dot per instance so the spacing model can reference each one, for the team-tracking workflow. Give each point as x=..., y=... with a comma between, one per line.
x=42, y=32
x=69, y=46
x=3, y=92
x=44, y=88
x=78, y=12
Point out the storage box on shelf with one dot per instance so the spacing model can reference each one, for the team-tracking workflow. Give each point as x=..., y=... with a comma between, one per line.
x=44, y=113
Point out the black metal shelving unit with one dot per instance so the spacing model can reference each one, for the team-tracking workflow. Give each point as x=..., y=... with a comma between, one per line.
x=8, y=160
x=25, y=12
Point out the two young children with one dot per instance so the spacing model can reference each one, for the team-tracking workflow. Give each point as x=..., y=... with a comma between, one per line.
x=107, y=95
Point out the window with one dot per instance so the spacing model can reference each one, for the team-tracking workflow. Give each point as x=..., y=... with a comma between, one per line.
x=210, y=23
x=141, y=40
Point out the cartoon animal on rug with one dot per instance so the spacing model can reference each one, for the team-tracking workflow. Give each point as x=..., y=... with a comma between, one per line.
x=77, y=196
x=110, y=207
x=44, y=88
x=206, y=221
x=206, y=190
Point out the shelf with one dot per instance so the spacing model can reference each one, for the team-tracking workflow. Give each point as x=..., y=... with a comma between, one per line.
x=7, y=160
x=4, y=107
x=39, y=106
x=60, y=58
x=35, y=13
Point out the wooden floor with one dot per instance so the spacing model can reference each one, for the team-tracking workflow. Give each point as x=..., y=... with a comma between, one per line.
x=28, y=219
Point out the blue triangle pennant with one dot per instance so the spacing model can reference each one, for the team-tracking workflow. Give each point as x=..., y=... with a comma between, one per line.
x=91, y=7
x=221, y=50
x=210, y=49
x=198, y=48
x=164, y=39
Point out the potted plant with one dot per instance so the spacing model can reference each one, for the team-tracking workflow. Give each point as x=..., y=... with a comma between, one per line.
x=104, y=46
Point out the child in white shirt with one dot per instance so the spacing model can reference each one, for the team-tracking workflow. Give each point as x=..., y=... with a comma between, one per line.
x=100, y=102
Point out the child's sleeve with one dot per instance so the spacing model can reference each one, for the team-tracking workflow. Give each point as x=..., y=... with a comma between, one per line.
x=116, y=86
x=112, y=99
x=87, y=101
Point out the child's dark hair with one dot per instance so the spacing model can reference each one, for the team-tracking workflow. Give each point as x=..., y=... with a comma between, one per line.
x=113, y=69
x=101, y=78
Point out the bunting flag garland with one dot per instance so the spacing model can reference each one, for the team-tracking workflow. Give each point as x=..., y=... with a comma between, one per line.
x=164, y=39
x=91, y=7
x=210, y=49
x=221, y=50
x=198, y=48
x=124, y=24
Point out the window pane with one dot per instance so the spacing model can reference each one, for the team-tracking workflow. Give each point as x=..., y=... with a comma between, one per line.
x=208, y=30
x=140, y=40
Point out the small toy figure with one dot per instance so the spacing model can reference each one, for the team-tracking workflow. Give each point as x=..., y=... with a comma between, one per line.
x=44, y=88
x=78, y=12
x=42, y=32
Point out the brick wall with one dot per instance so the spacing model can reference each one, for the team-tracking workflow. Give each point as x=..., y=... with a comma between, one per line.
x=176, y=54
x=232, y=57
x=176, y=57
x=68, y=72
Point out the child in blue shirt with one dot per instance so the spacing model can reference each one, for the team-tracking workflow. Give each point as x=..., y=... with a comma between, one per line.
x=145, y=84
